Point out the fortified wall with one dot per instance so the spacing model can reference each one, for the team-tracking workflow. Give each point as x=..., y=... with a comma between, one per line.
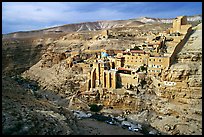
x=180, y=26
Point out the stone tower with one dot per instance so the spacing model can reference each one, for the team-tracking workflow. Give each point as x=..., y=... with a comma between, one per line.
x=178, y=22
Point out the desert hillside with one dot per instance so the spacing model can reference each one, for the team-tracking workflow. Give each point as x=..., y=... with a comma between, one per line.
x=94, y=26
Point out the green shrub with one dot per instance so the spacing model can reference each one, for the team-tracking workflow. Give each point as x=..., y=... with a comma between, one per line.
x=136, y=48
x=95, y=107
x=143, y=68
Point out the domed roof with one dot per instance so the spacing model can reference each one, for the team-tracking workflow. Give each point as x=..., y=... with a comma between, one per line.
x=104, y=54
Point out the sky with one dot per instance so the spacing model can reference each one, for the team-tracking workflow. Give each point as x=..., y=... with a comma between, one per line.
x=25, y=16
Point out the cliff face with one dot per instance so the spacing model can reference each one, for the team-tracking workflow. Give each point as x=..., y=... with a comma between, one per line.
x=188, y=68
x=182, y=114
x=19, y=54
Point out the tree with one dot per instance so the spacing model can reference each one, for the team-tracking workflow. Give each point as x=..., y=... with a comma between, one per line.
x=95, y=107
x=143, y=82
x=136, y=48
x=143, y=68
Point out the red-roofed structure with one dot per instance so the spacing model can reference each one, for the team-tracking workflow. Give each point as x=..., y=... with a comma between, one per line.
x=124, y=69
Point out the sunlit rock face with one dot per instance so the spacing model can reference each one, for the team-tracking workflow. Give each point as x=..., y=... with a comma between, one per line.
x=183, y=111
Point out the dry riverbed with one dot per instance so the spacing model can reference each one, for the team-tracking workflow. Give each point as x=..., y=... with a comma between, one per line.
x=94, y=127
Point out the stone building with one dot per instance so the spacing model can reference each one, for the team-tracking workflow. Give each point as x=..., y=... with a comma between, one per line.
x=102, y=36
x=69, y=62
x=108, y=73
x=123, y=70
x=155, y=45
x=102, y=75
x=135, y=58
x=180, y=25
x=75, y=53
x=119, y=62
x=129, y=78
x=157, y=64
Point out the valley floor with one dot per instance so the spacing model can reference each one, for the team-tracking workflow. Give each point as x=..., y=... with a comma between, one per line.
x=94, y=127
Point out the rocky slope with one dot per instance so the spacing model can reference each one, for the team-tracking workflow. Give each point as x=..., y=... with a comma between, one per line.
x=57, y=78
x=28, y=110
x=25, y=113
x=166, y=20
x=20, y=54
x=86, y=26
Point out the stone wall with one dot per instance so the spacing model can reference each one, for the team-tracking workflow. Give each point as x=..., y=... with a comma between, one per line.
x=135, y=61
x=127, y=80
x=179, y=46
x=157, y=64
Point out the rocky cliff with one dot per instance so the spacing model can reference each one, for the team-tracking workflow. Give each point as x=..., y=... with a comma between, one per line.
x=178, y=109
x=20, y=54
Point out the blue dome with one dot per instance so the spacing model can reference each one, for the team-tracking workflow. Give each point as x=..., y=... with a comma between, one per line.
x=104, y=54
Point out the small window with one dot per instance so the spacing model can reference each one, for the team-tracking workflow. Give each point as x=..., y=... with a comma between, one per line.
x=149, y=59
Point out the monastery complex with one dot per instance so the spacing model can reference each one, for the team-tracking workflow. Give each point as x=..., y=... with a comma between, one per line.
x=118, y=69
